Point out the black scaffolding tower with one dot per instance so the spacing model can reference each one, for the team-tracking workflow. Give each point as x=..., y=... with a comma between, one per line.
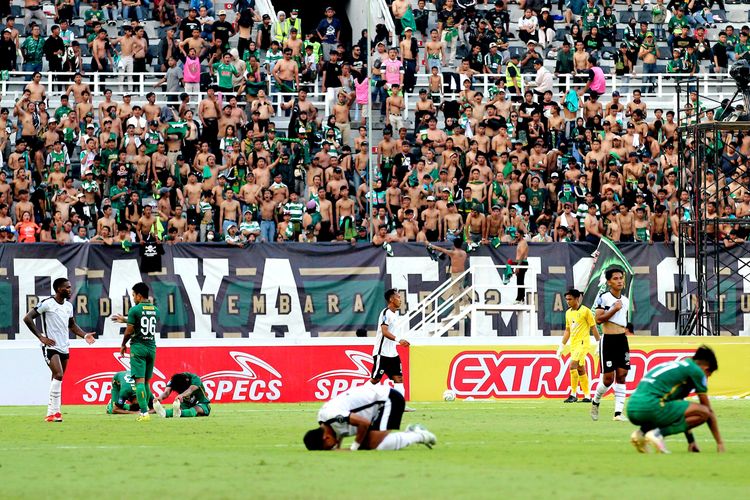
x=712, y=255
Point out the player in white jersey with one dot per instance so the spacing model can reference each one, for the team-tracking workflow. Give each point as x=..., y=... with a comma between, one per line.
x=57, y=321
x=614, y=352
x=366, y=412
x=385, y=357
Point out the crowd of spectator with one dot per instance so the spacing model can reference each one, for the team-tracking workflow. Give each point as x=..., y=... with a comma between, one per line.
x=527, y=156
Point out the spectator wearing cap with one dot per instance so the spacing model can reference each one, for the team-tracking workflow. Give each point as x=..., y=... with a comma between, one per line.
x=648, y=54
x=8, y=52
x=329, y=31
x=546, y=28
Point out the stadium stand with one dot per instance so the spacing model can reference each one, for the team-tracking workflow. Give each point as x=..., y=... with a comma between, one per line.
x=557, y=121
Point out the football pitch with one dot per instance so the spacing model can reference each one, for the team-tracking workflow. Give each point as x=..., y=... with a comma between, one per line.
x=511, y=449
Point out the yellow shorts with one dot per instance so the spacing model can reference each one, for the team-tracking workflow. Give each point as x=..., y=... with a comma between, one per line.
x=578, y=351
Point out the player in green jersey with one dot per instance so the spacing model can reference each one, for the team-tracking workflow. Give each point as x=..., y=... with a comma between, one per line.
x=191, y=399
x=141, y=332
x=658, y=404
x=122, y=396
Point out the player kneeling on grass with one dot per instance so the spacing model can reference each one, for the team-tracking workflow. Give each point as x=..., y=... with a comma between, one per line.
x=191, y=399
x=367, y=412
x=658, y=404
x=123, y=400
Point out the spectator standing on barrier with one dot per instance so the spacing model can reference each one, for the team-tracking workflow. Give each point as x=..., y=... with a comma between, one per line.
x=329, y=31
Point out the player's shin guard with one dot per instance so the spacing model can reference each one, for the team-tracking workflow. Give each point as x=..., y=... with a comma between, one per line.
x=583, y=380
x=619, y=397
x=140, y=394
x=398, y=440
x=55, y=395
x=600, y=390
x=573, y=382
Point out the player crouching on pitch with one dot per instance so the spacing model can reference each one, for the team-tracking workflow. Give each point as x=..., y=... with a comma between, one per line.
x=123, y=400
x=366, y=412
x=658, y=404
x=191, y=399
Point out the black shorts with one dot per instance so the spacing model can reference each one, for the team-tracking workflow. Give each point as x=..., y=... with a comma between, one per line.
x=48, y=352
x=393, y=416
x=614, y=352
x=383, y=365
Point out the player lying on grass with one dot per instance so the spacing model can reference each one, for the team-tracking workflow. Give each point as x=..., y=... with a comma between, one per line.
x=191, y=399
x=123, y=400
x=367, y=412
x=658, y=404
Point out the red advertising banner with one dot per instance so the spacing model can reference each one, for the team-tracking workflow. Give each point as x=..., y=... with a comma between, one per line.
x=233, y=374
x=535, y=371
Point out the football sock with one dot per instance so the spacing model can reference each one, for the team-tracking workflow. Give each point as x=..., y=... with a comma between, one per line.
x=584, y=381
x=619, y=397
x=140, y=394
x=573, y=382
x=399, y=388
x=169, y=413
x=188, y=412
x=55, y=394
x=600, y=390
x=398, y=440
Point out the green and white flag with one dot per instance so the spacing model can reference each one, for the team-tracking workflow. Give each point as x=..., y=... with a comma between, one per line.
x=407, y=20
x=607, y=255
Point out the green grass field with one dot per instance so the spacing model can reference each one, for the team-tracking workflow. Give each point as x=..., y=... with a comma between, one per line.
x=512, y=449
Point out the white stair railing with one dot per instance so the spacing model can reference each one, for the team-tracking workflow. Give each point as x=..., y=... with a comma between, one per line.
x=434, y=317
x=266, y=7
x=381, y=13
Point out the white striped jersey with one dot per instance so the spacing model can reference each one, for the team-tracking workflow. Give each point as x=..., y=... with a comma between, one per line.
x=55, y=319
x=383, y=346
x=607, y=300
x=365, y=400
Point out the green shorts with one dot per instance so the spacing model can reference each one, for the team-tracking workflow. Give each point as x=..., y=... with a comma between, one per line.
x=142, y=357
x=668, y=416
x=206, y=407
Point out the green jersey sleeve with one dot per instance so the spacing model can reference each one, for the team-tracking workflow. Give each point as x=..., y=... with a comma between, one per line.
x=114, y=394
x=134, y=316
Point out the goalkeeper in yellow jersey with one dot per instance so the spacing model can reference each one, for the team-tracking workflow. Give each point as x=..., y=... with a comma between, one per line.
x=579, y=322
